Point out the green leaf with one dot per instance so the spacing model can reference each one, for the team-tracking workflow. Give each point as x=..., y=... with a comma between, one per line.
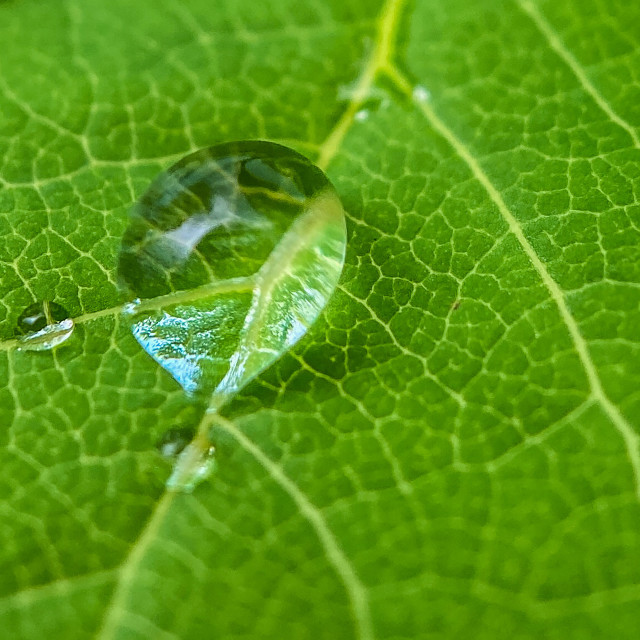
x=453, y=449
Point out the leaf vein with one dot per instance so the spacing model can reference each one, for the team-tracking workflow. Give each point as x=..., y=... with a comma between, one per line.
x=356, y=591
x=59, y=587
x=571, y=61
x=626, y=431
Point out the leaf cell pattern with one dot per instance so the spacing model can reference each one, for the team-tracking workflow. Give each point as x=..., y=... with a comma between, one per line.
x=453, y=450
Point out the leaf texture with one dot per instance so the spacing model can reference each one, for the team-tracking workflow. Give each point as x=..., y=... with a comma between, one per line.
x=453, y=450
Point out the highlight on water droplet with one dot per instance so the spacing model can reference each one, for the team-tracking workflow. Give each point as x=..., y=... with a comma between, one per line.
x=421, y=93
x=43, y=326
x=233, y=253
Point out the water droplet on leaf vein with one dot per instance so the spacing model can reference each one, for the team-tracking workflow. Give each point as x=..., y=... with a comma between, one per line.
x=243, y=243
x=43, y=326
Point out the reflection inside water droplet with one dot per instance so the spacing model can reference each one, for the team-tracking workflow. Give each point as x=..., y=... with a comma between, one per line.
x=43, y=326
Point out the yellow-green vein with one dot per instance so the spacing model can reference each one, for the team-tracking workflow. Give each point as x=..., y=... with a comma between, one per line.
x=630, y=437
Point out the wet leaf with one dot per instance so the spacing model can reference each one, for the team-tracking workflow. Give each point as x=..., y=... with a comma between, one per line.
x=452, y=449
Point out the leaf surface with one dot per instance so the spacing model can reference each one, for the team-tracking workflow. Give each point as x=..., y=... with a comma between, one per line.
x=453, y=450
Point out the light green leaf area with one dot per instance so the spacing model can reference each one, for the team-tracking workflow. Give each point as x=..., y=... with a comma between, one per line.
x=453, y=451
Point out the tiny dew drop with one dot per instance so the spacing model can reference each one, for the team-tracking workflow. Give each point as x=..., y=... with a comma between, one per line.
x=230, y=256
x=43, y=326
x=194, y=464
x=173, y=442
x=421, y=94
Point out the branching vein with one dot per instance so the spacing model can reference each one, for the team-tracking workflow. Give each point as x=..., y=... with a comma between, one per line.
x=624, y=428
x=570, y=60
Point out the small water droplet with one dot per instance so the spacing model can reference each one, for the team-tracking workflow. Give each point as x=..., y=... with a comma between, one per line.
x=241, y=245
x=194, y=464
x=362, y=115
x=173, y=441
x=421, y=93
x=43, y=326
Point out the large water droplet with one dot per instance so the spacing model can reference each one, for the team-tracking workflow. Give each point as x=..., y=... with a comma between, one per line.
x=233, y=252
x=43, y=326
